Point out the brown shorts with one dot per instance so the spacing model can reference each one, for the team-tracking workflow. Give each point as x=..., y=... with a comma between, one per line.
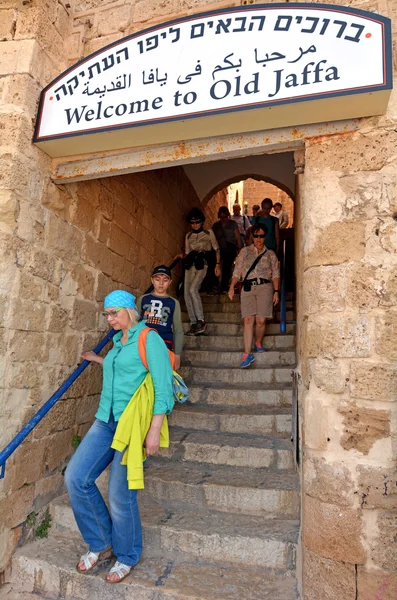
x=258, y=301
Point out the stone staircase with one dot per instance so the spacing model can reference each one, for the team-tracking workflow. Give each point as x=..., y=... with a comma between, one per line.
x=220, y=509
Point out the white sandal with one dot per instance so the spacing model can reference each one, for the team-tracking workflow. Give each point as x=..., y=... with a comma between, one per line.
x=91, y=559
x=121, y=570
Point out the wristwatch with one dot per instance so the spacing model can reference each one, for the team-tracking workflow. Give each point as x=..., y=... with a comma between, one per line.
x=276, y=291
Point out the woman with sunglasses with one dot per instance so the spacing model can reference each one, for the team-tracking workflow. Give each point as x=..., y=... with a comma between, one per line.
x=258, y=269
x=199, y=243
x=119, y=528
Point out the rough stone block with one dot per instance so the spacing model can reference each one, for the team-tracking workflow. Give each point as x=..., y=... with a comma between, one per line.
x=25, y=375
x=63, y=239
x=28, y=464
x=84, y=314
x=364, y=286
x=85, y=282
x=329, y=375
x=105, y=286
x=59, y=319
x=43, y=265
x=337, y=243
x=104, y=230
x=372, y=381
x=7, y=24
x=27, y=315
x=84, y=215
x=30, y=287
x=377, y=487
x=145, y=9
x=17, y=56
x=386, y=335
x=59, y=448
x=325, y=289
x=339, y=336
x=125, y=221
x=25, y=344
x=376, y=585
x=100, y=42
x=16, y=506
x=62, y=416
x=119, y=241
x=327, y=579
x=86, y=5
x=369, y=195
x=8, y=209
x=353, y=153
x=328, y=481
x=114, y=19
x=332, y=531
x=363, y=427
x=383, y=545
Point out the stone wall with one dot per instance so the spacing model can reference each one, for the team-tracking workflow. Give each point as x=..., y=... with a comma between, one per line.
x=347, y=354
x=63, y=249
x=255, y=191
x=211, y=208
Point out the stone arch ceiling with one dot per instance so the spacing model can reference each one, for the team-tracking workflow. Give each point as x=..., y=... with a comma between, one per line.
x=276, y=168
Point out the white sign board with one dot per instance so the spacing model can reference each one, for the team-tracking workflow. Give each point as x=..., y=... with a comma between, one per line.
x=228, y=60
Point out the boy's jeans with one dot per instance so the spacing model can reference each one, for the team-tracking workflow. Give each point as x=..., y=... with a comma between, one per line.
x=120, y=529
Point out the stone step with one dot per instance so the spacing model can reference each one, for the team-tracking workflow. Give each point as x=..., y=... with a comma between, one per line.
x=255, y=374
x=240, y=490
x=253, y=451
x=47, y=567
x=224, y=299
x=225, y=395
x=252, y=419
x=232, y=329
x=234, y=342
x=204, y=536
x=213, y=304
x=224, y=317
x=233, y=359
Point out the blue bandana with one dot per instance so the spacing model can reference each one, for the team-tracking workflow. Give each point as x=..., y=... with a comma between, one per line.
x=119, y=298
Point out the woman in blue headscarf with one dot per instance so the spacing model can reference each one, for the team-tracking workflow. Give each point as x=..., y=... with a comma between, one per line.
x=118, y=530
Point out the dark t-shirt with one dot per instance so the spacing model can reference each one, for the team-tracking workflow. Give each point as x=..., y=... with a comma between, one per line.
x=225, y=234
x=158, y=313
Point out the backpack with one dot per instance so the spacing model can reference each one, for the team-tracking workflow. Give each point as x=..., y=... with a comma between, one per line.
x=179, y=387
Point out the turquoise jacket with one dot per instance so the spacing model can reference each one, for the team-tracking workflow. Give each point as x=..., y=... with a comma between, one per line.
x=123, y=373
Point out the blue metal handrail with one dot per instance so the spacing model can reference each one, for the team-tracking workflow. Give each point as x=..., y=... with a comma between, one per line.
x=283, y=307
x=35, y=420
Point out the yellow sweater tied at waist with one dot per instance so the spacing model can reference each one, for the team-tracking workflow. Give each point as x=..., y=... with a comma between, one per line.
x=132, y=429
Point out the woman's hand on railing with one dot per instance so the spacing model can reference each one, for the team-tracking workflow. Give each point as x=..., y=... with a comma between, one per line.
x=92, y=357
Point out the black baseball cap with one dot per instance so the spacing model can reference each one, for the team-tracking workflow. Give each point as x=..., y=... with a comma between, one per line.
x=162, y=270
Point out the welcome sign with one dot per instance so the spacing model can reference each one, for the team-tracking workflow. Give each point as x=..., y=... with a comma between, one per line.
x=232, y=70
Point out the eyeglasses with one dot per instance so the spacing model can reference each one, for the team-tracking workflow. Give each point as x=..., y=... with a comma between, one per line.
x=258, y=235
x=111, y=313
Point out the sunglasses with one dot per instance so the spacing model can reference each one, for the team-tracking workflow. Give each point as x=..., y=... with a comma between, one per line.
x=111, y=313
x=195, y=222
x=258, y=235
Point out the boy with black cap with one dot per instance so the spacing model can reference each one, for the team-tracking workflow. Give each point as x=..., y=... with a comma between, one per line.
x=162, y=312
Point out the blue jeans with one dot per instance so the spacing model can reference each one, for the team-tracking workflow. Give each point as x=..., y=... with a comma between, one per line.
x=120, y=529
